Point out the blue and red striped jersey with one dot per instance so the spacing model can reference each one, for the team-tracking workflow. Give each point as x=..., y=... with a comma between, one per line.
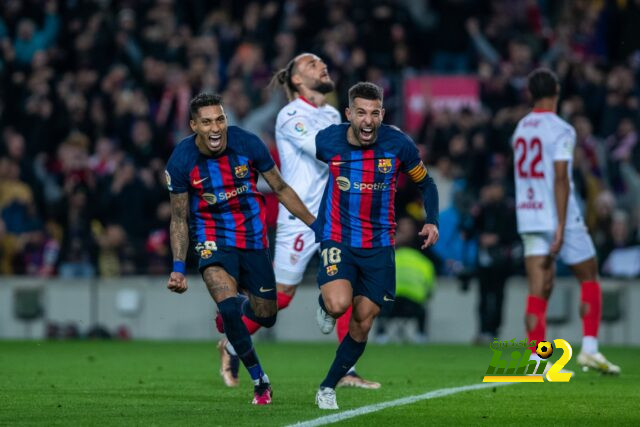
x=225, y=205
x=358, y=202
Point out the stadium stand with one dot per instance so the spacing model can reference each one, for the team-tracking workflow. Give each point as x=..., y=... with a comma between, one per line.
x=94, y=94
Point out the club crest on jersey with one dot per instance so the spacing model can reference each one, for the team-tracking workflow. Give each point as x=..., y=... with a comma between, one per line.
x=241, y=171
x=210, y=198
x=384, y=165
x=332, y=270
x=343, y=183
x=206, y=253
x=294, y=259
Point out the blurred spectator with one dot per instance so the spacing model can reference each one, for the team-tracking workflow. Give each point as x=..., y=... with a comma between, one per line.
x=495, y=228
x=456, y=247
x=30, y=40
x=94, y=95
x=415, y=281
x=620, y=253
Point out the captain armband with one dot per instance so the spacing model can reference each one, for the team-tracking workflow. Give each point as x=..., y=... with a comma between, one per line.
x=418, y=172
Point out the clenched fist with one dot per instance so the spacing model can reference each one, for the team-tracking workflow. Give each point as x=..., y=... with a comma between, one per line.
x=177, y=283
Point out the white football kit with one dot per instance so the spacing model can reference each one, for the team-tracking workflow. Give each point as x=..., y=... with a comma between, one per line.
x=296, y=127
x=540, y=139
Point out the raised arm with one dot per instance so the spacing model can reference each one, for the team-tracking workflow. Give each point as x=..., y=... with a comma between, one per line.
x=287, y=196
x=179, y=234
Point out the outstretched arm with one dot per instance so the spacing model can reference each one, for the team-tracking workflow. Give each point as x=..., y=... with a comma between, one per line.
x=179, y=234
x=287, y=196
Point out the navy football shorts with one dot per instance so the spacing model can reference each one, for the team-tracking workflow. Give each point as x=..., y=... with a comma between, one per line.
x=371, y=271
x=252, y=268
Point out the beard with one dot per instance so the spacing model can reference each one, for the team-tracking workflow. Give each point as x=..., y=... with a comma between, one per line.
x=324, y=87
x=358, y=136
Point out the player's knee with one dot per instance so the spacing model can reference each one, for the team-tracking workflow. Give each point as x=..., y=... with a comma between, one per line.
x=336, y=306
x=268, y=321
x=359, y=329
x=229, y=309
x=365, y=325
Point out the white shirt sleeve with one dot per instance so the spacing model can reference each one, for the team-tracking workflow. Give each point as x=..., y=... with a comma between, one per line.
x=300, y=132
x=564, y=146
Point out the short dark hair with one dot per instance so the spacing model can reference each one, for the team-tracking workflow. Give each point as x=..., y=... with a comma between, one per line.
x=542, y=83
x=203, y=99
x=366, y=90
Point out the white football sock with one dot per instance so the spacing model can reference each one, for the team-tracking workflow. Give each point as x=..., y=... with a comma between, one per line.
x=230, y=349
x=590, y=344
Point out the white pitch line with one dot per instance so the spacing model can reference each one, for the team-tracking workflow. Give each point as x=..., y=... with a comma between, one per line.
x=334, y=418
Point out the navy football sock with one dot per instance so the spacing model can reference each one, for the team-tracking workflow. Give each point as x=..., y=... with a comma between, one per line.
x=347, y=355
x=239, y=337
x=251, y=362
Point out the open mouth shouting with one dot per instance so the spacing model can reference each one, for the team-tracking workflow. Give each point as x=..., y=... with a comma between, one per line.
x=215, y=141
x=367, y=134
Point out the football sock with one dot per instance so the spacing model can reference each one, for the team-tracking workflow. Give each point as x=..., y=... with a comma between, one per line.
x=347, y=355
x=237, y=333
x=590, y=344
x=283, y=302
x=591, y=297
x=251, y=362
x=252, y=326
x=342, y=324
x=230, y=349
x=342, y=329
x=538, y=307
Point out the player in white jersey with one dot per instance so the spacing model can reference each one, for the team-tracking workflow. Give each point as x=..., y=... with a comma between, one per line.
x=549, y=220
x=306, y=82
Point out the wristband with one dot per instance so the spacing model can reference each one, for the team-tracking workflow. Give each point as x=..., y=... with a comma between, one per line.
x=179, y=267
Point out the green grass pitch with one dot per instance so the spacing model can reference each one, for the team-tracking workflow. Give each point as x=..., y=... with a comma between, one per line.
x=177, y=383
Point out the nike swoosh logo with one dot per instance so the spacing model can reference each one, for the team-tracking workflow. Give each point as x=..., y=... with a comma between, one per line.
x=292, y=113
x=265, y=290
x=387, y=298
x=196, y=182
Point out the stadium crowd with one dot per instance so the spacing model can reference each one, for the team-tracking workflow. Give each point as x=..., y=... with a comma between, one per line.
x=94, y=95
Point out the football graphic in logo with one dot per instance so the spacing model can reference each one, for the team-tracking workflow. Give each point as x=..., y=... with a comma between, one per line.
x=210, y=198
x=343, y=183
x=544, y=349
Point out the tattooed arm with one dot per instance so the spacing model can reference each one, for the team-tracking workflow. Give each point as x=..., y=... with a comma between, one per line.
x=179, y=233
x=287, y=196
